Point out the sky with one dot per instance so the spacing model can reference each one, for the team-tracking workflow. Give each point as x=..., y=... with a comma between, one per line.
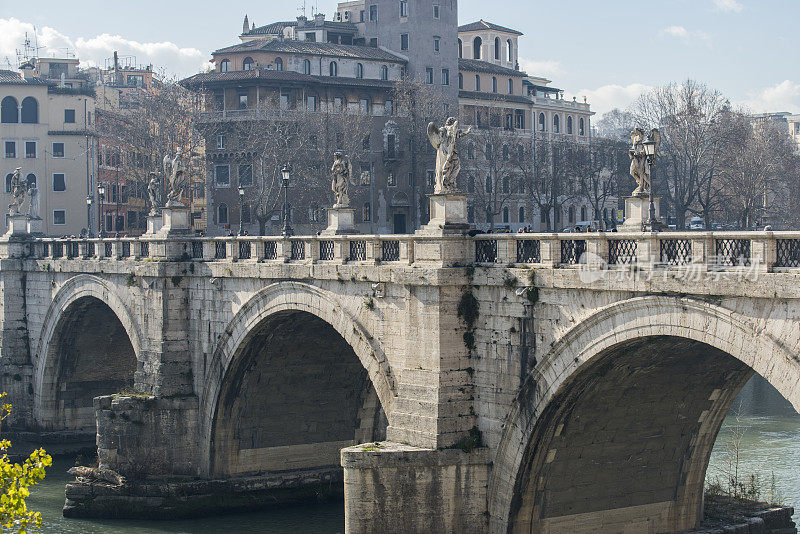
x=608, y=51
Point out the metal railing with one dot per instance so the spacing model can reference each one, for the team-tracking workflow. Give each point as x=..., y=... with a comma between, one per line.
x=787, y=252
x=572, y=250
x=358, y=251
x=732, y=252
x=390, y=250
x=245, y=250
x=298, y=250
x=529, y=251
x=622, y=252
x=220, y=250
x=675, y=252
x=485, y=250
x=326, y=250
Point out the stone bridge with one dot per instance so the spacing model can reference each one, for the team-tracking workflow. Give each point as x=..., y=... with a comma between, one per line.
x=464, y=384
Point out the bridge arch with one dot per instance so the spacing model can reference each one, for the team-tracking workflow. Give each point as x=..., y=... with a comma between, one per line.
x=316, y=318
x=624, y=352
x=72, y=364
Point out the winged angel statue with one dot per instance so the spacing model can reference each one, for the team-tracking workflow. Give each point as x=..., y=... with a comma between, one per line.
x=175, y=172
x=448, y=165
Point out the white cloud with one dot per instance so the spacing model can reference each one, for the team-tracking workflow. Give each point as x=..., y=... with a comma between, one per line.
x=93, y=51
x=546, y=69
x=784, y=96
x=727, y=6
x=679, y=32
x=607, y=97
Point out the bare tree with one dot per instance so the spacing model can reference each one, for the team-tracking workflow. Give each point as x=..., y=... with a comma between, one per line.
x=616, y=124
x=602, y=172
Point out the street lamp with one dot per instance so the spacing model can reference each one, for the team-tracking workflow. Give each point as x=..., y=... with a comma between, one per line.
x=241, y=215
x=650, y=152
x=101, y=194
x=285, y=175
x=89, y=201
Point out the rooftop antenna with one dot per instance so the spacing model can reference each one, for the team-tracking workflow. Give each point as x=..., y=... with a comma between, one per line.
x=302, y=8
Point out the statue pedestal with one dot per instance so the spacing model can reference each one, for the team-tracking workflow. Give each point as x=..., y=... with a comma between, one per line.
x=637, y=212
x=17, y=225
x=448, y=215
x=154, y=223
x=341, y=220
x=175, y=221
x=35, y=226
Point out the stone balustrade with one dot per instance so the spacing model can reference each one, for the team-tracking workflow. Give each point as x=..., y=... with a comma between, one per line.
x=761, y=251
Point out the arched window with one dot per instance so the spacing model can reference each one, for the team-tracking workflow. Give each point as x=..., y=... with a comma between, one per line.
x=569, y=125
x=477, y=43
x=9, y=110
x=497, y=48
x=30, y=110
x=571, y=214
x=506, y=184
x=494, y=84
x=556, y=124
x=506, y=153
x=225, y=66
x=9, y=179
x=30, y=179
x=581, y=129
x=605, y=214
x=460, y=49
x=521, y=214
x=306, y=66
x=510, y=86
x=542, y=125
x=460, y=81
x=333, y=69
x=359, y=70
x=384, y=73
x=488, y=152
x=222, y=214
x=510, y=51
x=583, y=213
x=488, y=184
x=471, y=151
x=506, y=217
x=471, y=184
x=248, y=63
x=477, y=82
x=245, y=214
x=278, y=63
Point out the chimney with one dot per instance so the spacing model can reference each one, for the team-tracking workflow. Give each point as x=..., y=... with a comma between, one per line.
x=301, y=21
x=319, y=19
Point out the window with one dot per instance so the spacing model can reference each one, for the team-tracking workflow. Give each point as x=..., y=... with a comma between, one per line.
x=542, y=125
x=497, y=48
x=510, y=51
x=571, y=214
x=363, y=106
x=284, y=100
x=436, y=11
x=30, y=149
x=569, y=125
x=494, y=84
x=436, y=43
x=311, y=102
x=366, y=212
x=390, y=180
x=278, y=63
x=429, y=75
x=583, y=213
x=506, y=217
x=471, y=151
x=403, y=8
x=556, y=124
x=333, y=69
x=9, y=111
x=242, y=100
x=30, y=110
x=477, y=43
x=477, y=82
x=361, y=16
x=225, y=66
x=509, y=121
x=373, y=13
x=59, y=217
x=59, y=182
x=506, y=157
x=510, y=86
x=248, y=63
x=488, y=184
x=460, y=81
x=222, y=175
x=311, y=37
x=245, y=214
x=581, y=129
x=222, y=214
x=220, y=142
x=306, y=66
x=521, y=217
x=11, y=149
x=9, y=179
x=460, y=49
x=31, y=180
x=445, y=76
x=69, y=116
x=245, y=175
x=519, y=119
x=403, y=41
x=337, y=104
x=359, y=70
x=430, y=178
x=58, y=150
x=135, y=79
x=388, y=107
x=384, y=73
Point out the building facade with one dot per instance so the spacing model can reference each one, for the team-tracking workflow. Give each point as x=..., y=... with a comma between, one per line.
x=47, y=131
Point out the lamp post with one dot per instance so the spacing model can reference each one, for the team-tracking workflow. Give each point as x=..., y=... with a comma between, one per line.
x=89, y=201
x=241, y=215
x=650, y=152
x=101, y=195
x=285, y=175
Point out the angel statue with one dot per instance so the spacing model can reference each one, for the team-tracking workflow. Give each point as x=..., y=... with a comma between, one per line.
x=17, y=192
x=640, y=162
x=154, y=192
x=33, y=201
x=444, y=140
x=342, y=177
x=175, y=172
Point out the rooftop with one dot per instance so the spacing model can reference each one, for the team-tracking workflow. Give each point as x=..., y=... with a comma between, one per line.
x=482, y=25
x=314, y=49
x=220, y=78
x=476, y=65
x=277, y=28
x=9, y=77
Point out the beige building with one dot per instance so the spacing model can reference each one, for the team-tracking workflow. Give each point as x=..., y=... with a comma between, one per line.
x=794, y=128
x=46, y=131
